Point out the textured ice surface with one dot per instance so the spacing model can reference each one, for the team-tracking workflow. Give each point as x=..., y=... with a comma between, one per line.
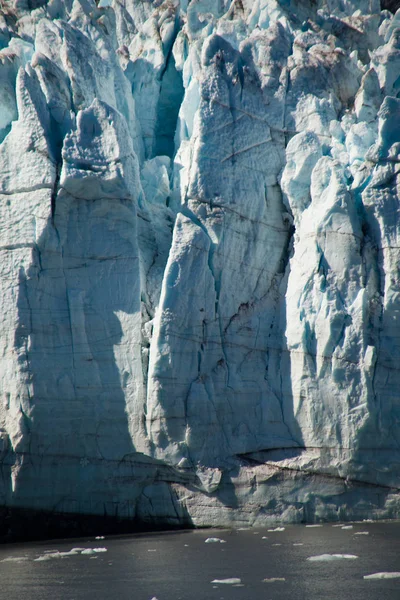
x=199, y=259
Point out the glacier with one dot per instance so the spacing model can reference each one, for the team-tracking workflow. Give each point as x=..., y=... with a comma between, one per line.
x=200, y=261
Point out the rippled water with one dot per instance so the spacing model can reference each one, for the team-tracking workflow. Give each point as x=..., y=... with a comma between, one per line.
x=258, y=564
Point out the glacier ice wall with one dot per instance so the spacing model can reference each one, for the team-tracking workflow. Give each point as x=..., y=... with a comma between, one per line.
x=200, y=236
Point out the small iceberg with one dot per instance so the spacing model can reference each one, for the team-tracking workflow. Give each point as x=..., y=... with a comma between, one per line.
x=383, y=575
x=229, y=581
x=330, y=557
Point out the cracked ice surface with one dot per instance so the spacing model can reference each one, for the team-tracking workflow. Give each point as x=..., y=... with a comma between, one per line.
x=199, y=268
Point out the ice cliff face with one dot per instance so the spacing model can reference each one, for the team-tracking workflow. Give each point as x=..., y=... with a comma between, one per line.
x=200, y=233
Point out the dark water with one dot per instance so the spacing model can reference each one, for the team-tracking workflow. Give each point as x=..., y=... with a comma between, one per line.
x=181, y=566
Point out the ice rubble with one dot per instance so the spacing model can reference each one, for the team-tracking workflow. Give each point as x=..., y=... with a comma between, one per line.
x=199, y=259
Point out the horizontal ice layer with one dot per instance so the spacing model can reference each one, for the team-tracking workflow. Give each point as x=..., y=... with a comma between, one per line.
x=199, y=241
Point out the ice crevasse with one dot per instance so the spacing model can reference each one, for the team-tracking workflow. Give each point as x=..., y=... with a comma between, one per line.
x=200, y=260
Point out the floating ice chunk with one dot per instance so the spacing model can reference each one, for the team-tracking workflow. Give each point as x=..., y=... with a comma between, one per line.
x=229, y=581
x=99, y=537
x=277, y=529
x=93, y=550
x=214, y=540
x=362, y=533
x=330, y=557
x=347, y=527
x=311, y=526
x=299, y=544
x=15, y=559
x=51, y=555
x=264, y=537
x=273, y=579
x=383, y=575
x=73, y=552
x=277, y=544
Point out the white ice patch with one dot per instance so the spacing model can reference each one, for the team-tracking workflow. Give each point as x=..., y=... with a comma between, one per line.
x=383, y=575
x=347, y=527
x=213, y=540
x=311, y=526
x=331, y=557
x=362, y=533
x=228, y=581
x=277, y=529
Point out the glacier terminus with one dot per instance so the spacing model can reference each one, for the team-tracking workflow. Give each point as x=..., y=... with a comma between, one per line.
x=200, y=260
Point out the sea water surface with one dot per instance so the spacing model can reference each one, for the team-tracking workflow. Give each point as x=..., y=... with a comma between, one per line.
x=256, y=564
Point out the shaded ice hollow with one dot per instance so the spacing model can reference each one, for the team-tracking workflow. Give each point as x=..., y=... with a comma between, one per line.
x=199, y=271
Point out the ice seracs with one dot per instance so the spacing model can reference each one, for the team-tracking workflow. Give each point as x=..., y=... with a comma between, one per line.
x=199, y=260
